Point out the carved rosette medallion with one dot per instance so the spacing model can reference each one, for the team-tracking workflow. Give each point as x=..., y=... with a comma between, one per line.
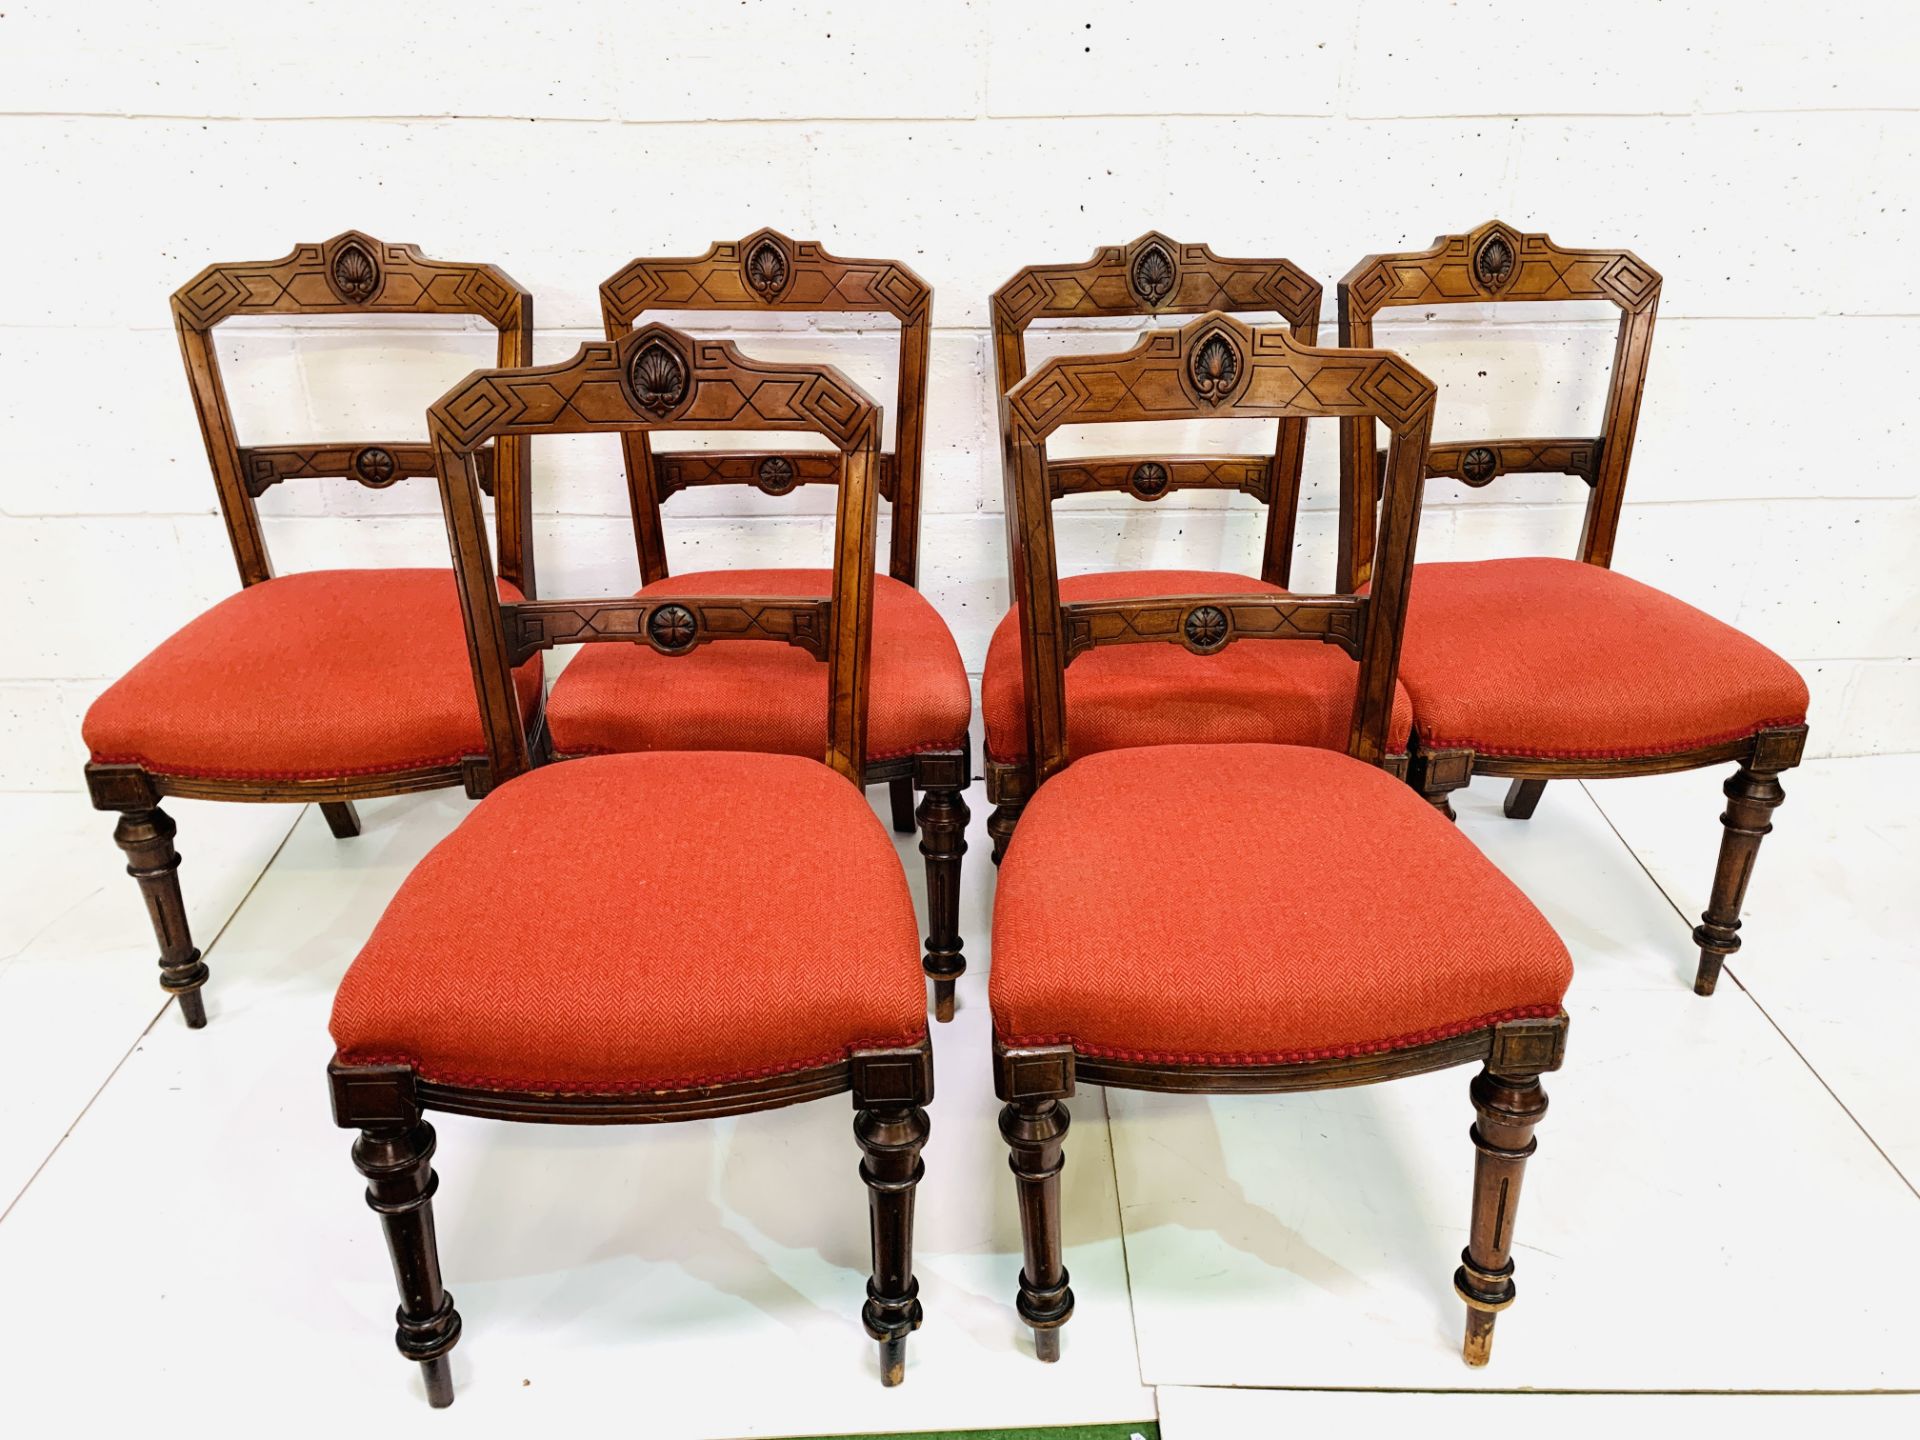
x=1152, y=273
x=767, y=269
x=1149, y=480
x=1493, y=262
x=672, y=628
x=1214, y=367
x=1477, y=465
x=354, y=273
x=656, y=377
x=776, y=475
x=1206, y=628
x=374, y=465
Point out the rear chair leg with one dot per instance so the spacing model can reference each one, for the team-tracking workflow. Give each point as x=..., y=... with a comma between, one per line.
x=147, y=838
x=342, y=819
x=1000, y=825
x=900, y=792
x=890, y=1139
x=1522, y=796
x=1508, y=1108
x=1752, y=797
x=943, y=840
x=398, y=1163
x=1036, y=1131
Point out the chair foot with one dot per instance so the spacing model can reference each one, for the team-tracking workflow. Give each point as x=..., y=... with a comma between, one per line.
x=438, y=1373
x=1477, y=1349
x=146, y=837
x=900, y=794
x=893, y=1360
x=1752, y=797
x=342, y=819
x=1522, y=796
x=1046, y=1345
x=943, y=841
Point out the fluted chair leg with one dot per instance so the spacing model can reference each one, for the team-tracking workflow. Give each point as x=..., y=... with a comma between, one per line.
x=1508, y=1108
x=398, y=1163
x=146, y=836
x=1752, y=797
x=1036, y=1132
x=891, y=1137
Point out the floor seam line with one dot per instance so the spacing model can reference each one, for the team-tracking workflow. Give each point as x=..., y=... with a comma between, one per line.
x=147, y=1030
x=1765, y=1014
x=1126, y=1261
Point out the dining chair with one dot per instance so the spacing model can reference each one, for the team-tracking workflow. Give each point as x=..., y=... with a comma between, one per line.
x=1247, y=918
x=1158, y=696
x=1539, y=667
x=748, y=697
x=326, y=686
x=651, y=936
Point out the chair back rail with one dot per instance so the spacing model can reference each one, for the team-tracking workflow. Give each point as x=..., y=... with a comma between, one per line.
x=1497, y=262
x=656, y=378
x=1158, y=276
x=1213, y=367
x=351, y=274
x=767, y=271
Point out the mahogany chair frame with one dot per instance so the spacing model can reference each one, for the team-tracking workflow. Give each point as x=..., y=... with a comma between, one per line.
x=770, y=272
x=652, y=378
x=1155, y=276
x=1217, y=366
x=351, y=274
x=1495, y=262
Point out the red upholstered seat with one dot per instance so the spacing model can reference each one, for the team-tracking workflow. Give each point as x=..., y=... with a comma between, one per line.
x=758, y=695
x=1289, y=692
x=1254, y=904
x=643, y=922
x=1559, y=659
x=322, y=674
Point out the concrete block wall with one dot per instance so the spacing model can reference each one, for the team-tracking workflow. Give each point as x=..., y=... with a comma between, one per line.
x=1761, y=154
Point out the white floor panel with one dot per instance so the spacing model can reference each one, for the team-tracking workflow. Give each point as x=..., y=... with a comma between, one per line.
x=703, y=1279
x=1187, y=1414
x=1688, y=1159
x=1831, y=932
x=79, y=973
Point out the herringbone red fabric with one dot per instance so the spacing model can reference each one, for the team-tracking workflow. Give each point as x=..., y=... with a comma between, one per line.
x=309, y=676
x=643, y=922
x=1559, y=659
x=1254, y=904
x=1283, y=692
x=760, y=695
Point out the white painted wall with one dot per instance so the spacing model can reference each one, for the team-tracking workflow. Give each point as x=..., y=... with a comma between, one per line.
x=1761, y=154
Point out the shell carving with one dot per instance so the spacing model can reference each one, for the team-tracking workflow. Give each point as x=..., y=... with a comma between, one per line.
x=356, y=274
x=1476, y=466
x=776, y=475
x=767, y=269
x=1149, y=479
x=657, y=377
x=1206, y=628
x=1214, y=368
x=1493, y=262
x=1153, y=273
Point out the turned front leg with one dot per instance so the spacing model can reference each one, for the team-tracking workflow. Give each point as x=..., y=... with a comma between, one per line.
x=1508, y=1108
x=1752, y=797
x=398, y=1163
x=943, y=840
x=891, y=1137
x=147, y=838
x=1036, y=1132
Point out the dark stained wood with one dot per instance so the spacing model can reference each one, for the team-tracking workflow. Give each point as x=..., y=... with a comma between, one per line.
x=1036, y=1131
x=350, y=274
x=1497, y=262
x=1508, y=1106
x=1158, y=276
x=767, y=271
x=943, y=841
x=900, y=799
x=147, y=838
x=889, y=1087
x=655, y=378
